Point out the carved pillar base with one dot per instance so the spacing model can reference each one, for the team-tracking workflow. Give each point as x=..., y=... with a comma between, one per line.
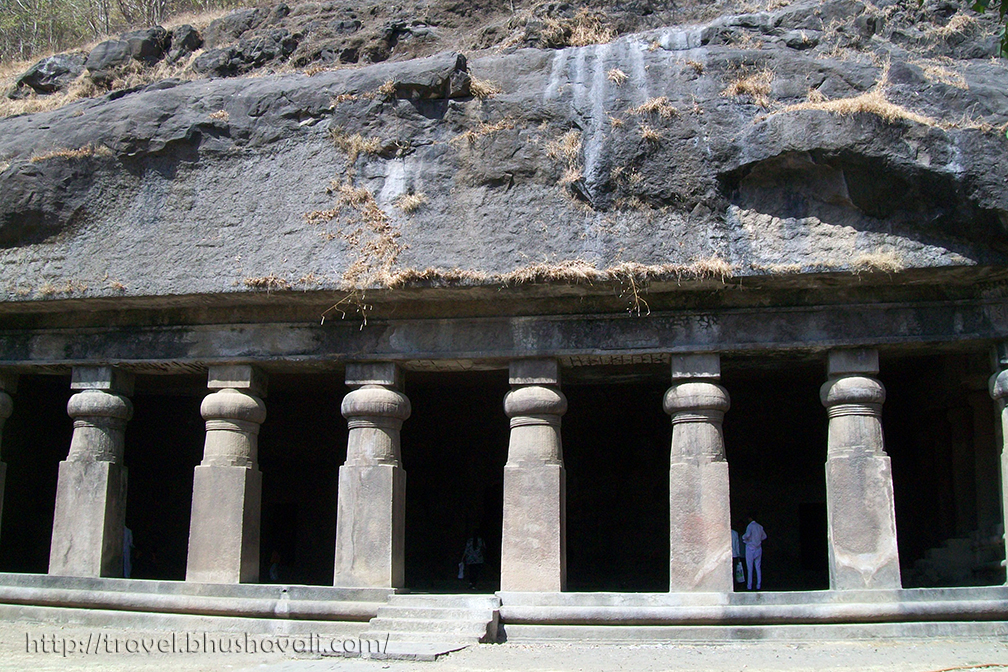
x=534, y=544
x=87, y=533
x=700, y=556
x=860, y=506
x=371, y=503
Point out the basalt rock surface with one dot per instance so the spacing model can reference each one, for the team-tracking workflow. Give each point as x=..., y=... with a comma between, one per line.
x=819, y=137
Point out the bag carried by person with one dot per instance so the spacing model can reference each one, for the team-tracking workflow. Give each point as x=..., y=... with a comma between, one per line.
x=739, y=572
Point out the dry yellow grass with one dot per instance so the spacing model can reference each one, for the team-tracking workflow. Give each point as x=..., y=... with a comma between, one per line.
x=269, y=283
x=873, y=102
x=472, y=136
x=697, y=66
x=79, y=153
x=410, y=203
x=343, y=98
x=4, y=165
x=661, y=106
x=960, y=24
x=220, y=115
x=616, y=122
x=570, y=176
x=616, y=76
x=354, y=145
x=649, y=134
x=388, y=89
x=482, y=88
x=935, y=72
x=878, y=261
x=567, y=148
x=815, y=96
x=756, y=85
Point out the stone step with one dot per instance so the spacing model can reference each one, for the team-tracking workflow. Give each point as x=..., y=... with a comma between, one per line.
x=450, y=614
x=476, y=629
x=490, y=602
x=397, y=638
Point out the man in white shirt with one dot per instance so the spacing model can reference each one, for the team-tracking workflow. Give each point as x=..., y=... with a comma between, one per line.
x=753, y=538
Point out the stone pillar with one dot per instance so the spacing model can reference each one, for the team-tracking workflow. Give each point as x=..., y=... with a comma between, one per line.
x=227, y=484
x=8, y=386
x=371, y=503
x=87, y=532
x=860, y=508
x=700, y=554
x=534, y=535
x=999, y=391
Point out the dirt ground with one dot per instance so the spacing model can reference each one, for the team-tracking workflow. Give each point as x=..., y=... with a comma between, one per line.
x=40, y=648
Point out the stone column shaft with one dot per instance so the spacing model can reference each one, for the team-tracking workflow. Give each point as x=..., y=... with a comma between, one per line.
x=699, y=499
x=371, y=502
x=534, y=539
x=227, y=484
x=90, y=511
x=8, y=386
x=860, y=506
x=999, y=391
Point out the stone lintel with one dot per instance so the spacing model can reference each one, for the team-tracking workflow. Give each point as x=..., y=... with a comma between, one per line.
x=110, y=379
x=243, y=377
x=852, y=362
x=543, y=371
x=696, y=366
x=8, y=382
x=387, y=374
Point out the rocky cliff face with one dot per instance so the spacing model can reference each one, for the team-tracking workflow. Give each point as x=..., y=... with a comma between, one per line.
x=816, y=137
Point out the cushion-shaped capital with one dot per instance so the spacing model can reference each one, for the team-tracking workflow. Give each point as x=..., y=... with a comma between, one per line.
x=375, y=401
x=999, y=385
x=534, y=400
x=230, y=404
x=95, y=403
x=852, y=390
x=696, y=396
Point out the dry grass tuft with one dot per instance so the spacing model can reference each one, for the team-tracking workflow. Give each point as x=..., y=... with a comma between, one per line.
x=960, y=24
x=589, y=28
x=483, y=89
x=472, y=136
x=570, y=176
x=4, y=165
x=873, y=102
x=388, y=89
x=616, y=122
x=649, y=134
x=660, y=106
x=354, y=145
x=756, y=85
x=343, y=98
x=80, y=153
x=220, y=115
x=697, y=66
x=879, y=261
x=410, y=203
x=567, y=148
x=617, y=76
x=317, y=217
x=269, y=283
x=934, y=72
x=816, y=96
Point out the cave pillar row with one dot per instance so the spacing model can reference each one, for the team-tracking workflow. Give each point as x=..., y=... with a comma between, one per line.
x=700, y=552
x=999, y=391
x=861, y=513
x=534, y=534
x=87, y=535
x=227, y=485
x=371, y=502
x=8, y=386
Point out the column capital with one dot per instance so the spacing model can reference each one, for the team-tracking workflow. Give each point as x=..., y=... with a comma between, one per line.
x=539, y=371
x=109, y=379
x=999, y=385
x=385, y=374
x=696, y=367
x=864, y=362
x=244, y=377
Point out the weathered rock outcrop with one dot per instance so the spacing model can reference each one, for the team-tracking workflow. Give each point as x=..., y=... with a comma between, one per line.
x=731, y=147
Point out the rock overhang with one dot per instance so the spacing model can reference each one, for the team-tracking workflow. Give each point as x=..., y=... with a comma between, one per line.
x=650, y=158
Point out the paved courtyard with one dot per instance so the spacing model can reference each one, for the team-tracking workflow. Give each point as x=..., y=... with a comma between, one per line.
x=22, y=648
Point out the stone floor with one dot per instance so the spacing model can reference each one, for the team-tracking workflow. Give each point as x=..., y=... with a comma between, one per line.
x=929, y=655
